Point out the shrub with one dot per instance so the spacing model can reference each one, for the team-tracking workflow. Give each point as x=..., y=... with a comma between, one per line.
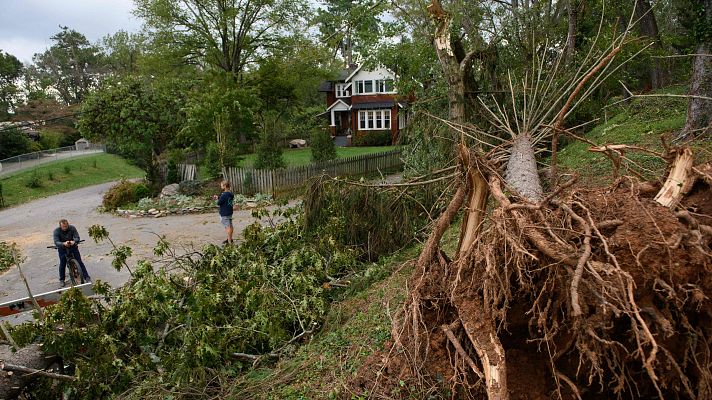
x=34, y=181
x=50, y=139
x=372, y=138
x=322, y=146
x=172, y=172
x=124, y=192
x=211, y=162
x=190, y=188
x=269, y=153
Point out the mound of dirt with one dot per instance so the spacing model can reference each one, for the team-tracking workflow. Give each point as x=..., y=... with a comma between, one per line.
x=602, y=293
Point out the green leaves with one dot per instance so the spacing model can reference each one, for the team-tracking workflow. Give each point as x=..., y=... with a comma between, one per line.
x=180, y=324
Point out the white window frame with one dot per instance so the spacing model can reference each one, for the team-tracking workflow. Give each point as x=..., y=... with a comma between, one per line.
x=342, y=90
x=374, y=120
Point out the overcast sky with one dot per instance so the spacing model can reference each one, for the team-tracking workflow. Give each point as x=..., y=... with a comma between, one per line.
x=26, y=25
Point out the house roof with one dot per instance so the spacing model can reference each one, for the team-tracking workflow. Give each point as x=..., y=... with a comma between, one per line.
x=346, y=73
x=372, y=104
x=326, y=86
x=334, y=104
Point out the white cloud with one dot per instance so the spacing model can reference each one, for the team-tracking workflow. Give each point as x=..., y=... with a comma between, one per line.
x=26, y=25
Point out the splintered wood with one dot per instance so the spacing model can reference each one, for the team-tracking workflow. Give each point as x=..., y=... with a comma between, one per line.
x=678, y=181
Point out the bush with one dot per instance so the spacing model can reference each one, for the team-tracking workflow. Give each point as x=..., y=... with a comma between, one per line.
x=322, y=146
x=172, y=172
x=13, y=143
x=34, y=181
x=50, y=139
x=269, y=153
x=211, y=162
x=190, y=188
x=372, y=138
x=123, y=193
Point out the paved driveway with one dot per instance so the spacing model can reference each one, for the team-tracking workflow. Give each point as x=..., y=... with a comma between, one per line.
x=31, y=226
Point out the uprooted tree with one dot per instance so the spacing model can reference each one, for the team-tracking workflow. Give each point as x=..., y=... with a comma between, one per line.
x=578, y=293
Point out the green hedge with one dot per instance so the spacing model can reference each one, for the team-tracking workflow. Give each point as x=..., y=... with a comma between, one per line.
x=372, y=138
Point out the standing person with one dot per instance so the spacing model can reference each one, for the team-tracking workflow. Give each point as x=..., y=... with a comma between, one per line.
x=66, y=238
x=225, y=201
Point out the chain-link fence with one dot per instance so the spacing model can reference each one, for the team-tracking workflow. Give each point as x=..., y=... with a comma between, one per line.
x=23, y=161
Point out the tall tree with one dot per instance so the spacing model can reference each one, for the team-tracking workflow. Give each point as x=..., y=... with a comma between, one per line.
x=699, y=109
x=122, y=51
x=10, y=71
x=648, y=28
x=71, y=65
x=224, y=34
x=137, y=116
x=350, y=26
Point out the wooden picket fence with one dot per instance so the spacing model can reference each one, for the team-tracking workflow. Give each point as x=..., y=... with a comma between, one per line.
x=249, y=181
x=186, y=172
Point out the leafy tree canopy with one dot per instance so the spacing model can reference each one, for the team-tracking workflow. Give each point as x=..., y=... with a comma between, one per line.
x=71, y=65
x=10, y=71
x=223, y=34
x=137, y=116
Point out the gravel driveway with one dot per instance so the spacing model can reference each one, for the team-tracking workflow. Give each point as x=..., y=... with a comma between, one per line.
x=31, y=225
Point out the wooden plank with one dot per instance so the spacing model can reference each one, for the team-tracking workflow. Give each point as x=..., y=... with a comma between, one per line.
x=43, y=299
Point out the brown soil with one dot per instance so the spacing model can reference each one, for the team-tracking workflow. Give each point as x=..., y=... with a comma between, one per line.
x=644, y=294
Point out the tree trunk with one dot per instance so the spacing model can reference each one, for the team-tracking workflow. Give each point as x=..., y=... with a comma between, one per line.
x=648, y=27
x=522, y=174
x=571, y=34
x=699, y=111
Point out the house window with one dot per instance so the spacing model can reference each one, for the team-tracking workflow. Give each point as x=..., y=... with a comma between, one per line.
x=384, y=85
x=342, y=90
x=358, y=87
x=368, y=86
x=374, y=119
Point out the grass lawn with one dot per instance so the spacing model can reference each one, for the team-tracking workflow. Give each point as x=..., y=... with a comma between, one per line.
x=297, y=157
x=642, y=122
x=64, y=176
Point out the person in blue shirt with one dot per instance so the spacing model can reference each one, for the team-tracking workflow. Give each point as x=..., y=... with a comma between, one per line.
x=225, y=202
x=65, y=237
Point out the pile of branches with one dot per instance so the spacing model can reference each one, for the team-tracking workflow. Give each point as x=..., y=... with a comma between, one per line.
x=584, y=294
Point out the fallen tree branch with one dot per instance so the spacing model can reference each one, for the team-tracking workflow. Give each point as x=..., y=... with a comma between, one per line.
x=31, y=371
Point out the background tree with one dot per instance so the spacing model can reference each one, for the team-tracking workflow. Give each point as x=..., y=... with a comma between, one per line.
x=348, y=27
x=10, y=72
x=269, y=149
x=13, y=142
x=223, y=34
x=71, y=65
x=138, y=117
x=699, y=110
x=122, y=51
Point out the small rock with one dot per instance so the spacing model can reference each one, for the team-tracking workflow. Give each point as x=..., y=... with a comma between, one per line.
x=170, y=190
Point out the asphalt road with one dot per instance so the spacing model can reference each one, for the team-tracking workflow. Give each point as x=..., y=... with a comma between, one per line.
x=31, y=225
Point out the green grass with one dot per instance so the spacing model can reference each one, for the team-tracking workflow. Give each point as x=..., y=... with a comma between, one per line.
x=298, y=157
x=642, y=123
x=64, y=176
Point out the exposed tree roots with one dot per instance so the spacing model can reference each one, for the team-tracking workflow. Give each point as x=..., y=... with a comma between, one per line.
x=588, y=294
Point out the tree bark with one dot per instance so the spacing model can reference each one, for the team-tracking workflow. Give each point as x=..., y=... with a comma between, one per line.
x=699, y=111
x=648, y=27
x=571, y=34
x=522, y=174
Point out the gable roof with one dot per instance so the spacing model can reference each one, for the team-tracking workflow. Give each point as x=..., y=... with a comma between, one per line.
x=348, y=107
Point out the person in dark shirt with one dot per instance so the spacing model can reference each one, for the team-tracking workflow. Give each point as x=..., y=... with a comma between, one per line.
x=225, y=202
x=65, y=238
